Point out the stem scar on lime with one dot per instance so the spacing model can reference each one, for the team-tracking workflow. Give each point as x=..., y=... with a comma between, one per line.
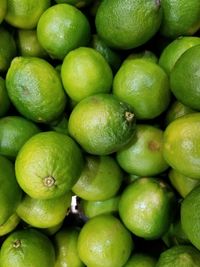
x=49, y=181
x=129, y=116
x=17, y=243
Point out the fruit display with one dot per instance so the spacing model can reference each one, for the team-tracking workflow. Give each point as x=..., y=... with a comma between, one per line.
x=100, y=133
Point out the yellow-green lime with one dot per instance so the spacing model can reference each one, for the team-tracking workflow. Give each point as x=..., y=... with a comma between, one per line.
x=141, y=260
x=4, y=99
x=14, y=132
x=102, y=124
x=185, y=78
x=100, y=179
x=77, y=3
x=128, y=24
x=183, y=184
x=48, y=165
x=27, y=248
x=146, y=207
x=85, y=72
x=181, y=147
x=10, y=192
x=180, y=17
x=62, y=28
x=143, y=155
x=44, y=213
x=144, y=86
x=65, y=242
x=7, y=49
x=35, y=89
x=3, y=9
x=175, y=49
x=179, y=256
x=190, y=216
x=9, y=225
x=94, y=208
x=50, y=231
x=146, y=54
x=28, y=44
x=104, y=242
x=25, y=15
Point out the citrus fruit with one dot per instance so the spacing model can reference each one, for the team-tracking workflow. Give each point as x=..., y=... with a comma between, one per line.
x=183, y=184
x=61, y=126
x=104, y=241
x=146, y=207
x=100, y=179
x=146, y=54
x=50, y=231
x=181, y=145
x=35, y=89
x=27, y=248
x=143, y=155
x=28, y=44
x=144, y=86
x=127, y=24
x=10, y=224
x=48, y=165
x=62, y=28
x=175, y=49
x=10, y=192
x=25, y=14
x=3, y=9
x=7, y=49
x=65, y=242
x=141, y=260
x=179, y=256
x=112, y=57
x=14, y=132
x=180, y=17
x=77, y=3
x=185, y=80
x=85, y=72
x=94, y=208
x=101, y=124
x=190, y=216
x=44, y=213
x=176, y=110
x=4, y=99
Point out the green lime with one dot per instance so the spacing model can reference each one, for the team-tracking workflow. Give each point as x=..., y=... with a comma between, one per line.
x=35, y=89
x=102, y=124
x=141, y=260
x=9, y=225
x=77, y=3
x=85, y=72
x=61, y=126
x=48, y=165
x=4, y=99
x=14, y=132
x=3, y=9
x=146, y=54
x=27, y=248
x=104, y=242
x=62, y=28
x=50, y=231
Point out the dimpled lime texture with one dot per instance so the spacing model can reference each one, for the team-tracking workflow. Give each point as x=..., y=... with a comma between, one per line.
x=190, y=216
x=179, y=256
x=180, y=17
x=48, y=154
x=99, y=125
x=3, y=9
x=14, y=132
x=104, y=242
x=128, y=24
x=182, y=145
x=35, y=89
x=141, y=260
x=146, y=208
x=62, y=28
x=144, y=86
x=10, y=193
x=185, y=78
x=35, y=249
x=25, y=14
x=4, y=99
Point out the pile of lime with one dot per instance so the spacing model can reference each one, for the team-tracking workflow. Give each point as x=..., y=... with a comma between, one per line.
x=100, y=133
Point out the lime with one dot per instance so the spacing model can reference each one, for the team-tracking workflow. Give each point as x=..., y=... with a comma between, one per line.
x=128, y=24
x=100, y=179
x=141, y=260
x=4, y=99
x=61, y=126
x=146, y=207
x=146, y=54
x=3, y=9
x=77, y=3
x=104, y=242
x=50, y=231
x=143, y=155
x=14, y=132
x=62, y=28
x=144, y=86
x=85, y=72
x=102, y=124
x=35, y=89
x=48, y=165
x=9, y=225
x=27, y=248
